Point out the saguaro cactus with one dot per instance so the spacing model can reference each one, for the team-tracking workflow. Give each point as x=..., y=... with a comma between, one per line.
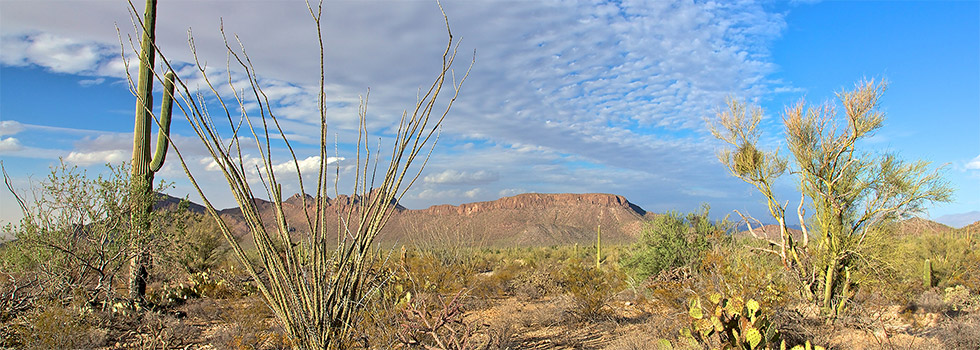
x=598, y=246
x=144, y=167
x=927, y=273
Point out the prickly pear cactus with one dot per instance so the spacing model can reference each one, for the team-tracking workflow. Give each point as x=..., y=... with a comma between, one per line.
x=729, y=323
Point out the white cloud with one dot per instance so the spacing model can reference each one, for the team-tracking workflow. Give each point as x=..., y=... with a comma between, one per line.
x=974, y=164
x=308, y=166
x=10, y=127
x=97, y=157
x=511, y=192
x=60, y=54
x=584, y=97
x=90, y=82
x=10, y=144
x=455, y=177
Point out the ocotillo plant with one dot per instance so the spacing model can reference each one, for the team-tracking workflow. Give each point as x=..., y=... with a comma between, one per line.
x=317, y=284
x=144, y=167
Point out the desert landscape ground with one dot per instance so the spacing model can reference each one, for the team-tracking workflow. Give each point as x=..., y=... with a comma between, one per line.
x=487, y=289
x=109, y=261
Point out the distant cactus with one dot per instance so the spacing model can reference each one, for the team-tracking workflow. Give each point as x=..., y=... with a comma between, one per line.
x=598, y=246
x=144, y=167
x=927, y=273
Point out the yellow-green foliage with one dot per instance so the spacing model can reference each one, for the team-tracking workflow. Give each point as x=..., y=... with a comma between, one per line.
x=59, y=327
x=195, y=242
x=738, y=272
x=591, y=288
x=673, y=240
x=953, y=256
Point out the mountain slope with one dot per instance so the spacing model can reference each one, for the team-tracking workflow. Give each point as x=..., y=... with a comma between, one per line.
x=521, y=220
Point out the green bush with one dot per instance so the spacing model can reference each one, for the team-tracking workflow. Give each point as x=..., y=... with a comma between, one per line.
x=672, y=240
x=54, y=326
x=954, y=257
x=196, y=243
x=75, y=233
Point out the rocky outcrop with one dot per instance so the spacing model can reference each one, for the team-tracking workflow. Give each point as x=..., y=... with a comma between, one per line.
x=537, y=201
x=526, y=219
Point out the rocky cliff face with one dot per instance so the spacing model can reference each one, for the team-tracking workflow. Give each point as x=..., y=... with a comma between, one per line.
x=526, y=219
x=537, y=201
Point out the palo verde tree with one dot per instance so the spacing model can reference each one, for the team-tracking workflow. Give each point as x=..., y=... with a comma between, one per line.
x=852, y=193
x=143, y=166
x=760, y=168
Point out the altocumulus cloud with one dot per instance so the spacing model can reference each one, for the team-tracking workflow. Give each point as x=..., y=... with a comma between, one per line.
x=565, y=96
x=455, y=177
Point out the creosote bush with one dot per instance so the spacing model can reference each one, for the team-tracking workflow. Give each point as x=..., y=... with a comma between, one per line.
x=74, y=237
x=673, y=240
x=591, y=288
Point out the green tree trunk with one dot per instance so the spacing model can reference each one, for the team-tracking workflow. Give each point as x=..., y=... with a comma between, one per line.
x=829, y=283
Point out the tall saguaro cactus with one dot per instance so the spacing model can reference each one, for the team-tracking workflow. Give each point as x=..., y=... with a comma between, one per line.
x=144, y=167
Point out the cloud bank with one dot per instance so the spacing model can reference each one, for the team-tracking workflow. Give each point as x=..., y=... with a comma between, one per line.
x=564, y=97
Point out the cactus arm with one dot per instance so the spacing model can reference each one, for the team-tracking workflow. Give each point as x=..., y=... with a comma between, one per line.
x=163, y=134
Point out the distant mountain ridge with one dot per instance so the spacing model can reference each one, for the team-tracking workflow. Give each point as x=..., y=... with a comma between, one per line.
x=960, y=220
x=524, y=219
x=530, y=219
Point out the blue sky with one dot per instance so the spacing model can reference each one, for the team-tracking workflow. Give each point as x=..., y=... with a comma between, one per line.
x=565, y=96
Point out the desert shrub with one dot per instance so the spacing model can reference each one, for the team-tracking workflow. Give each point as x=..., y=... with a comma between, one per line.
x=17, y=293
x=54, y=326
x=426, y=272
x=502, y=334
x=430, y=322
x=960, y=333
x=196, y=243
x=737, y=272
x=161, y=331
x=497, y=282
x=899, y=278
x=249, y=326
x=391, y=290
x=74, y=235
x=672, y=240
x=539, y=280
x=591, y=288
x=960, y=298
